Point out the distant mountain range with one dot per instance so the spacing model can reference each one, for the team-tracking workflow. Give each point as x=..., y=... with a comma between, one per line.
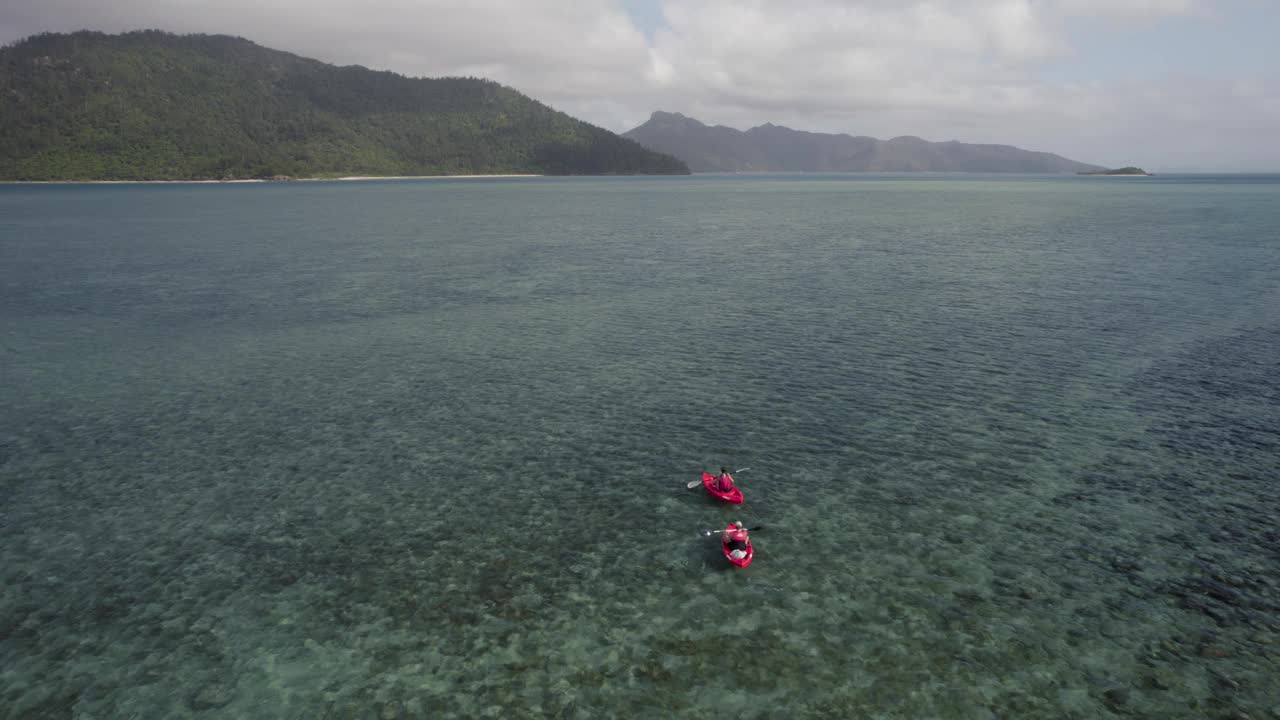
x=771, y=147
x=156, y=106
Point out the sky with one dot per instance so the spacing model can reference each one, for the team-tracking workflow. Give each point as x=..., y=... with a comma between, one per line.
x=1169, y=85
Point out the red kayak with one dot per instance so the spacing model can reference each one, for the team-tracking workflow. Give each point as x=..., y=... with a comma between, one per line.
x=740, y=562
x=733, y=495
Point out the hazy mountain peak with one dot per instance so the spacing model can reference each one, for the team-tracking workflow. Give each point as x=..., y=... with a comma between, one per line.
x=659, y=116
x=775, y=147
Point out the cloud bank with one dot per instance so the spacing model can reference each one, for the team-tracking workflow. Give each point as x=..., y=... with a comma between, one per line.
x=1021, y=72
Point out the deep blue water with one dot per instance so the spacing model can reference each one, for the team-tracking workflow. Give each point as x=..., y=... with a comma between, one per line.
x=419, y=448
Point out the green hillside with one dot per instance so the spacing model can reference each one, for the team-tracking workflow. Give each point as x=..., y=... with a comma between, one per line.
x=155, y=106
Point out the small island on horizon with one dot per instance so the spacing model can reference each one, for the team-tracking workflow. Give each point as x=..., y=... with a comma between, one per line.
x=1128, y=170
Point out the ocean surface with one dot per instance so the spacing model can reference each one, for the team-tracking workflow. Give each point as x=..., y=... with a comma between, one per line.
x=419, y=449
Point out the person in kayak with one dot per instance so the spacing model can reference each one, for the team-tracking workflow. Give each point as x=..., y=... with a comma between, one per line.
x=736, y=540
x=724, y=483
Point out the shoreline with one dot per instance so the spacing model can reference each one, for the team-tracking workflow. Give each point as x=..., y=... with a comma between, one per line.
x=264, y=180
x=420, y=177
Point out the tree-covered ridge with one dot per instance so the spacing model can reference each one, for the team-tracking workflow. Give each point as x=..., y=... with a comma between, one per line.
x=153, y=105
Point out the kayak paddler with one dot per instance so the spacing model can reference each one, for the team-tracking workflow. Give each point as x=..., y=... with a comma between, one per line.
x=736, y=539
x=724, y=483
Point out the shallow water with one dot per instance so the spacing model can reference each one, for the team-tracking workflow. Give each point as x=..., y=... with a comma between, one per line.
x=419, y=448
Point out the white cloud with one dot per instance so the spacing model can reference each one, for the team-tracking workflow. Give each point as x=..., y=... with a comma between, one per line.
x=1127, y=8
x=972, y=70
x=580, y=47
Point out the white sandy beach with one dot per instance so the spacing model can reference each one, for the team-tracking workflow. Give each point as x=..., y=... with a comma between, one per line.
x=423, y=177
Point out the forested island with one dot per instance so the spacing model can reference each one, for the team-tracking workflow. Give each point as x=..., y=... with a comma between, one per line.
x=158, y=106
x=1128, y=170
x=774, y=148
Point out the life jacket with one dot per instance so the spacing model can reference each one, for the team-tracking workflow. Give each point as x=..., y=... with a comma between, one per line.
x=724, y=483
x=739, y=535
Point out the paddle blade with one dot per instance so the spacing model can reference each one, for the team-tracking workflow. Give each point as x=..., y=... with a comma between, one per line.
x=693, y=484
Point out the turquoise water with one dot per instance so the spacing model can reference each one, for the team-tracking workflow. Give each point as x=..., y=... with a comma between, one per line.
x=419, y=448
